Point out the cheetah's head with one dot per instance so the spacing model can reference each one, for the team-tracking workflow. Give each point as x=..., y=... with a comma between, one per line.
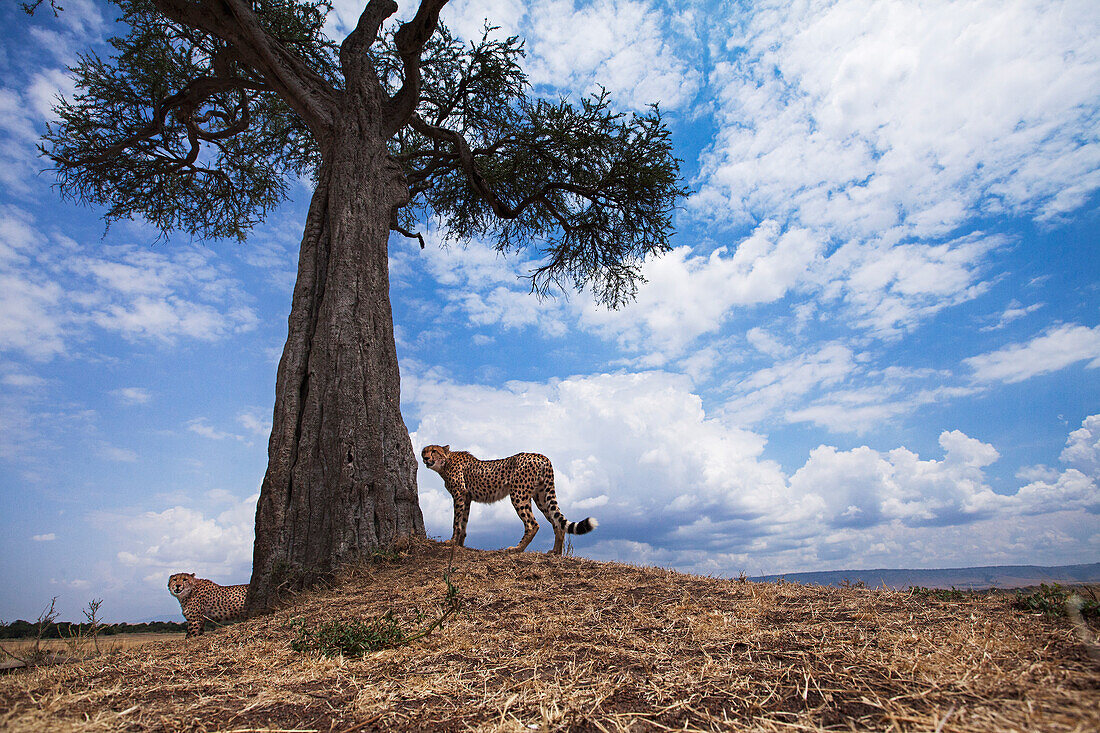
x=435, y=456
x=180, y=585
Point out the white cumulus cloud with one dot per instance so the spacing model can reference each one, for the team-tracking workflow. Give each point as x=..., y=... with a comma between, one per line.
x=201, y=426
x=1082, y=449
x=687, y=295
x=132, y=395
x=55, y=293
x=640, y=453
x=886, y=129
x=637, y=445
x=1057, y=348
x=621, y=45
x=183, y=539
x=910, y=114
x=769, y=391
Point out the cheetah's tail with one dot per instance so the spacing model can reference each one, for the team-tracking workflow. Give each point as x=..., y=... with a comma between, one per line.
x=582, y=527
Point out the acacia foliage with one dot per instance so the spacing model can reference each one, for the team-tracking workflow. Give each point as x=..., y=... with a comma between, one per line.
x=171, y=125
x=182, y=126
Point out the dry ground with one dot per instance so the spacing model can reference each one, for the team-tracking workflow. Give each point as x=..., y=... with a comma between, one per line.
x=546, y=643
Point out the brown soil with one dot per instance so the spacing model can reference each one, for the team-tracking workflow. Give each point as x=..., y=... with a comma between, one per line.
x=547, y=643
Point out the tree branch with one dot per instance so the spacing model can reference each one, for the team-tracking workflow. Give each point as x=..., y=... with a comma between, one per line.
x=306, y=91
x=446, y=109
x=410, y=40
x=394, y=226
x=366, y=30
x=234, y=124
x=185, y=100
x=501, y=208
x=466, y=161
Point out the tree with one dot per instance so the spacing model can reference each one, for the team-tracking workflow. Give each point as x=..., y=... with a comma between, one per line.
x=204, y=109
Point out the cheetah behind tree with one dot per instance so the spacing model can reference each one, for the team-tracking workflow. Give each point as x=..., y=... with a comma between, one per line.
x=204, y=600
x=522, y=477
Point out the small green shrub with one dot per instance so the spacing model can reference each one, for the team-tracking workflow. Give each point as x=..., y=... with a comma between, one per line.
x=383, y=556
x=347, y=638
x=354, y=638
x=939, y=594
x=1051, y=600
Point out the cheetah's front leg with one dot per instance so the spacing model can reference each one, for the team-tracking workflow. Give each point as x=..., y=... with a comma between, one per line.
x=462, y=516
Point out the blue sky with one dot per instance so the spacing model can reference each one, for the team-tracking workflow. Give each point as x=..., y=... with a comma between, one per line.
x=874, y=344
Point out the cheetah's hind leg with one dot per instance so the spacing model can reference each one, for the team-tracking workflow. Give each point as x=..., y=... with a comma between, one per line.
x=522, y=502
x=548, y=506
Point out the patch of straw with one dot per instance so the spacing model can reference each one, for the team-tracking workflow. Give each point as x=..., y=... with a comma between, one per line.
x=551, y=644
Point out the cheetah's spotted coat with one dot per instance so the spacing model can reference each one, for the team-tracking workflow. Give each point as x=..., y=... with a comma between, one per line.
x=522, y=477
x=204, y=600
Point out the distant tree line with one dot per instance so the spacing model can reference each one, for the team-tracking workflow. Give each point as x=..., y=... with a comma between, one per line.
x=63, y=630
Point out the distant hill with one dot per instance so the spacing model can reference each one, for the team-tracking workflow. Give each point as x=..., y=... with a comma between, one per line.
x=995, y=576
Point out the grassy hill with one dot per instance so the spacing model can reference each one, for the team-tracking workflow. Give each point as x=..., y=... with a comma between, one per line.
x=547, y=643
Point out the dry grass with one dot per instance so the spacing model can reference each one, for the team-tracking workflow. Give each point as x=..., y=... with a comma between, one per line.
x=113, y=642
x=546, y=643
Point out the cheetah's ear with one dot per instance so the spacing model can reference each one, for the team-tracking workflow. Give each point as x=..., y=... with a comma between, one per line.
x=447, y=448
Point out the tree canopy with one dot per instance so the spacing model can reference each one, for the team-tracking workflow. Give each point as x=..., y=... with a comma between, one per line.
x=203, y=112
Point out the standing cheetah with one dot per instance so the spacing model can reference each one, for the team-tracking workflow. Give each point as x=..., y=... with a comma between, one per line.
x=522, y=477
x=204, y=600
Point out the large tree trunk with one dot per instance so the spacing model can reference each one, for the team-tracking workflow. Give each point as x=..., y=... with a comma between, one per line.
x=341, y=477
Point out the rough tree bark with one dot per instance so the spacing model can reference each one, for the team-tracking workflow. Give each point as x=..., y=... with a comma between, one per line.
x=341, y=476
